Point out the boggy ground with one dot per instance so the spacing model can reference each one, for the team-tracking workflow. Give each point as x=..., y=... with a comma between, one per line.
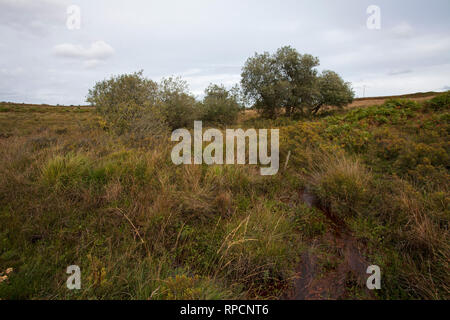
x=349, y=269
x=366, y=186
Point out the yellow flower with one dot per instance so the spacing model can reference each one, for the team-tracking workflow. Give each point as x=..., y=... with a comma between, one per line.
x=9, y=270
x=3, y=278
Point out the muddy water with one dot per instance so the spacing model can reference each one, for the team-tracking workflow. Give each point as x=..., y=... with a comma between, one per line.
x=310, y=282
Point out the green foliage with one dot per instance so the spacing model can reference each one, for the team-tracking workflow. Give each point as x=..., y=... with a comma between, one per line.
x=128, y=103
x=333, y=91
x=383, y=171
x=256, y=246
x=141, y=228
x=68, y=172
x=180, y=107
x=440, y=102
x=220, y=106
x=126, y=88
x=288, y=80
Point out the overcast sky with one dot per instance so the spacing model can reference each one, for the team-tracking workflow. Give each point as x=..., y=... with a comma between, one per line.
x=43, y=61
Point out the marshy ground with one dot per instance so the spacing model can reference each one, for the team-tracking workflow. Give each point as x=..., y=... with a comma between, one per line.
x=364, y=186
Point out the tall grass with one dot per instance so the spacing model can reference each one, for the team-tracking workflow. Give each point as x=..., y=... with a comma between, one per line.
x=142, y=228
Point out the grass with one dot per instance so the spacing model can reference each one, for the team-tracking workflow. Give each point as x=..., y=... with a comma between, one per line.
x=140, y=227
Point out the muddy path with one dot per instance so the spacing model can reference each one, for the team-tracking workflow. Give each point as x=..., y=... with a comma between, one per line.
x=345, y=278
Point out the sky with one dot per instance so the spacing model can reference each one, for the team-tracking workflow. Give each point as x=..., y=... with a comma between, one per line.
x=46, y=58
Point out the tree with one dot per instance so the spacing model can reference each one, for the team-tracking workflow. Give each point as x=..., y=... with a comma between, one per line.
x=106, y=95
x=332, y=91
x=299, y=73
x=220, y=105
x=289, y=81
x=128, y=105
x=180, y=107
x=262, y=84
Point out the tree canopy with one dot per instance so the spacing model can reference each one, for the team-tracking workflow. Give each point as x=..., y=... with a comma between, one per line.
x=134, y=106
x=289, y=81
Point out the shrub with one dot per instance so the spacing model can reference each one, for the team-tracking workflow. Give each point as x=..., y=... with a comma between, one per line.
x=128, y=103
x=179, y=106
x=440, y=102
x=220, y=105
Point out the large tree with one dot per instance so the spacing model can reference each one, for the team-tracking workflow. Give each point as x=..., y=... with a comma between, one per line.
x=263, y=85
x=298, y=72
x=289, y=81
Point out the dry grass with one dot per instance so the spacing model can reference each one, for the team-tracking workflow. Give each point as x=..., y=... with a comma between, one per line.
x=142, y=228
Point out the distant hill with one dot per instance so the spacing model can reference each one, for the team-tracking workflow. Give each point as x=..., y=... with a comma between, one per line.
x=404, y=96
x=357, y=101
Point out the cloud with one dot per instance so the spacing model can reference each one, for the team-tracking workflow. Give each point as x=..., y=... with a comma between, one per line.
x=199, y=82
x=209, y=41
x=99, y=50
x=403, y=30
x=91, y=64
x=420, y=80
x=398, y=72
x=33, y=16
x=390, y=55
x=12, y=72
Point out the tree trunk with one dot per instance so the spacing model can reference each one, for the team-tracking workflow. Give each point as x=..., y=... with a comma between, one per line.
x=317, y=108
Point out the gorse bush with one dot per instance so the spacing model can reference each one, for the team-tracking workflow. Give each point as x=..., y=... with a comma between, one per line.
x=440, y=102
x=383, y=171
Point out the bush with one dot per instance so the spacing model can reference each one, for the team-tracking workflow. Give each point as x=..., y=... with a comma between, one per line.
x=128, y=104
x=220, y=105
x=179, y=106
x=440, y=102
